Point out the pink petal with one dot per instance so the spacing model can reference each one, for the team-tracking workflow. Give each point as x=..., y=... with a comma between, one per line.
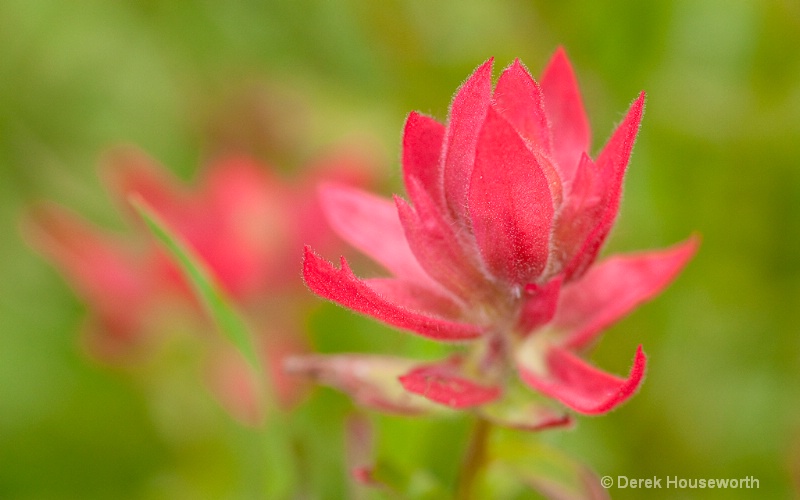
x=581, y=386
x=436, y=246
x=415, y=296
x=581, y=212
x=613, y=288
x=101, y=269
x=370, y=380
x=539, y=305
x=519, y=100
x=352, y=165
x=343, y=287
x=444, y=383
x=510, y=203
x=611, y=163
x=564, y=108
x=467, y=114
x=422, y=151
x=240, y=225
x=371, y=224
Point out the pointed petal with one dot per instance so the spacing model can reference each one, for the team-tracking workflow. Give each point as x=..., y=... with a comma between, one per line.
x=465, y=120
x=539, y=305
x=422, y=152
x=510, y=203
x=580, y=213
x=437, y=247
x=580, y=386
x=444, y=383
x=614, y=288
x=564, y=108
x=518, y=98
x=370, y=380
x=611, y=163
x=371, y=224
x=343, y=287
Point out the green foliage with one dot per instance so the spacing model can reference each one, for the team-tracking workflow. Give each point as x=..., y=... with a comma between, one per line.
x=717, y=154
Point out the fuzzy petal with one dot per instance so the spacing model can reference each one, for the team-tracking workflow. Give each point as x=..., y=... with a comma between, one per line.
x=539, y=305
x=581, y=212
x=510, y=203
x=564, y=108
x=422, y=151
x=611, y=163
x=370, y=380
x=437, y=247
x=467, y=114
x=444, y=383
x=580, y=386
x=415, y=296
x=343, y=287
x=613, y=288
x=371, y=224
x=519, y=100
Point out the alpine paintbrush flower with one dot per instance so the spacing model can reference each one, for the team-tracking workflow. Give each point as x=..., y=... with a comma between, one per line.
x=496, y=247
x=244, y=222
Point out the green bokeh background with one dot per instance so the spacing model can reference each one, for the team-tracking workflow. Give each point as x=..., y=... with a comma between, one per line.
x=717, y=154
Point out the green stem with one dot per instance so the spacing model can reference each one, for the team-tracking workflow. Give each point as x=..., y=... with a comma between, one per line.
x=474, y=460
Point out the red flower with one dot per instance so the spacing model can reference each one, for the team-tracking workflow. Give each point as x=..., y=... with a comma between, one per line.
x=497, y=246
x=245, y=223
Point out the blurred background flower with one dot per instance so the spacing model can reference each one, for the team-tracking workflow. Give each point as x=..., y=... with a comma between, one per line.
x=283, y=80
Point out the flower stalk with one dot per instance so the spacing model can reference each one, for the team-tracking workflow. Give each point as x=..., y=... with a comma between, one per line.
x=475, y=459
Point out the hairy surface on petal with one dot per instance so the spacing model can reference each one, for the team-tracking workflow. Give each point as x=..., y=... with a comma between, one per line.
x=565, y=112
x=518, y=98
x=422, y=152
x=369, y=379
x=510, y=203
x=437, y=247
x=580, y=386
x=343, y=287
x=615, y=287
x=444, y=383
x=415, y=296
x=539, y=305
x=371, y=225
x=465, y=120
x=579, y=215
x=611, y=164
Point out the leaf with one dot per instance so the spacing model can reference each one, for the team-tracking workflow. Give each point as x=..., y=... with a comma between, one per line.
x=229, y=322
